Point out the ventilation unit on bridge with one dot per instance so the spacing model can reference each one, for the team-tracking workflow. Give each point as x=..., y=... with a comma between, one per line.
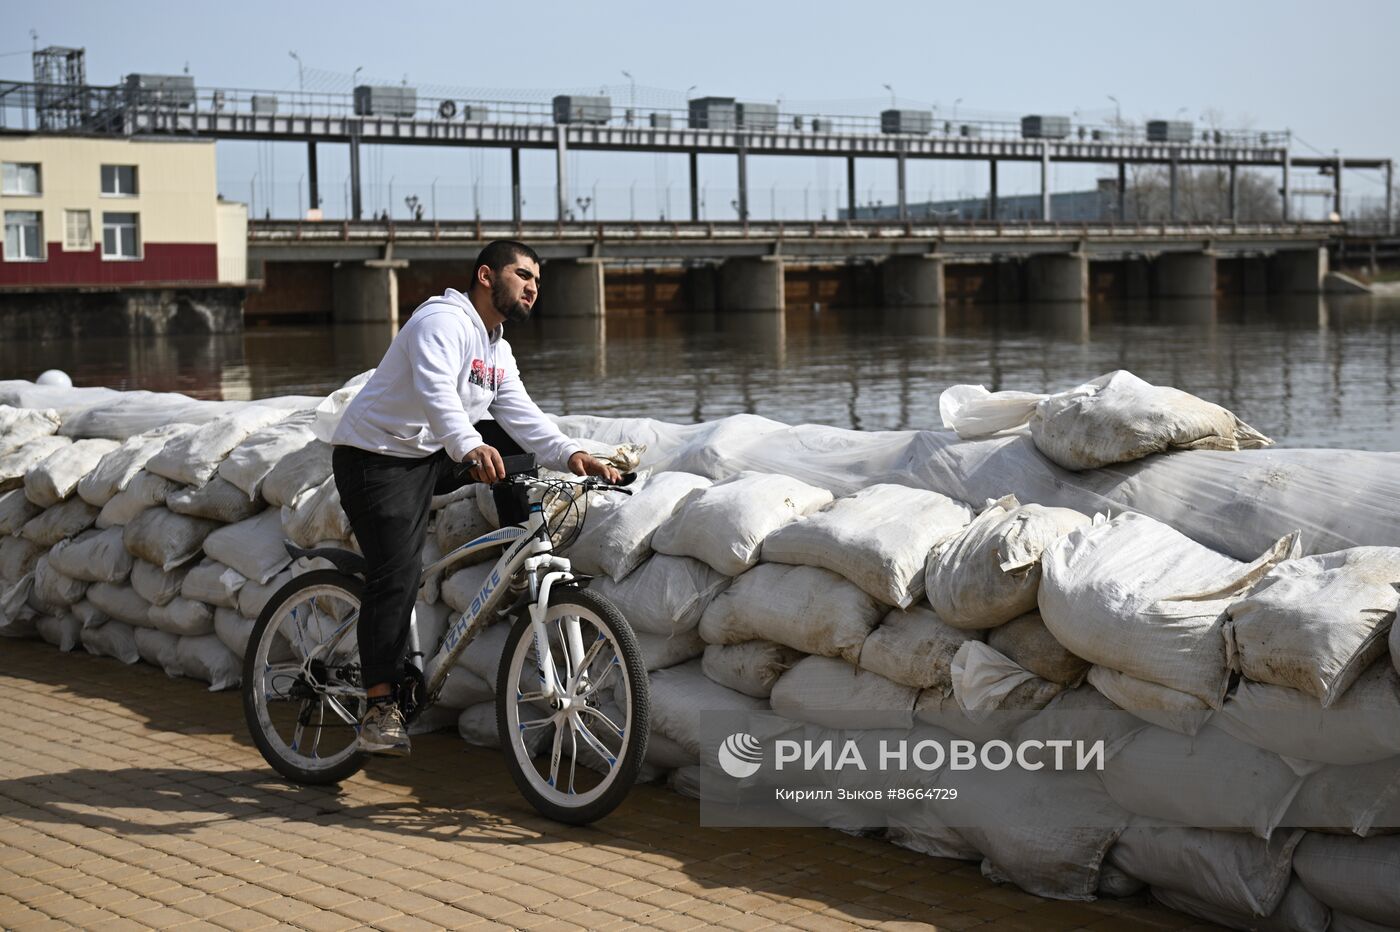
x=1038, y=126
x=919, y=122
x=264, y=104
x=1169, y=131
x=569, y=108
x=756, y=116
x=160, y=90
x=713, y=113
x=394, y=100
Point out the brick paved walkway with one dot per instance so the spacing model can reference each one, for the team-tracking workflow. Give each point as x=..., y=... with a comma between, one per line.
x=129, y=800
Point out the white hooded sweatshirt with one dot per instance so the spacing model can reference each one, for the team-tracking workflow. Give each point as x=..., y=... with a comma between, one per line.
x=441, y=375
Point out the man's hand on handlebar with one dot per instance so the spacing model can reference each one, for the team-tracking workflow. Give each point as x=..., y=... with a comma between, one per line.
x=582, y=464
x=484, y=464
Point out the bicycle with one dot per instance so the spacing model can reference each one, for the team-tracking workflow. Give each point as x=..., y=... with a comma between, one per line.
x=569, y=652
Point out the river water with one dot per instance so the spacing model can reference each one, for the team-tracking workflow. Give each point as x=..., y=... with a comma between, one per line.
x=1308, y=372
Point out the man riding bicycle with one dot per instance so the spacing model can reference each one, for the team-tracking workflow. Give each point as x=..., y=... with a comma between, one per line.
x=420, y=427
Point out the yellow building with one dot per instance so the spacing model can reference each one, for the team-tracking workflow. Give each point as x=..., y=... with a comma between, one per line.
x=117, y=212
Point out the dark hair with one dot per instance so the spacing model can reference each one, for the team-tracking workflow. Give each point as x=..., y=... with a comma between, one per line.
x=501, y=253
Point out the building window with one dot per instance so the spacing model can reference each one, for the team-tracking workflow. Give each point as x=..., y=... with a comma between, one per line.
x=24, y=237
x=77, y=230
x=119, y=180
x=19, y=178
x=120, y=237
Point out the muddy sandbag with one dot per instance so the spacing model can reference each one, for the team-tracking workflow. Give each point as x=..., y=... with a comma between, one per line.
x=253, y=595
x=694, y=711
x=752, y=667
x=206, y=658
x=461, y=522
x=183, y=617
x=461, y=588
x=53, y=591
x=154, y=584
x=1352, y=875
x=144, y=491
x=989, y=685
x=1026, y=641
x=836, y=694
x=913, y=647
x=56, y=477
x=120, y=602
x=213, y=582
x=233, y=630
x=254, y=547
x=15, y=511
x=296, y=472
x=160, y=649
x=804, y=607
x=59, y=522
x=1138, y=597
x=1315, y=623
x=665, y=595
x=660, y=651
x=93, y=556
x=1298, y=911
x=218, y=500
x=20, y=426
x=90, y=615
x=482, y=657
x=17, y=557
x=990, y=572
x=1115, y=418
x=725, y=524
x=194, y=458
x=249, y=463
x=1362, y=799
x=112, y=639
x=619, y=538
x=160, y=536
x=17, y=462
x=1229, y=870
x=114, y=472
x=1151, y=702
x=879, y=538
x=316, y=515
x=60, y=631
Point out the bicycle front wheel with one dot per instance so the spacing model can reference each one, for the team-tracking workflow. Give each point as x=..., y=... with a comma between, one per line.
x=302, y=694
x=575, y=754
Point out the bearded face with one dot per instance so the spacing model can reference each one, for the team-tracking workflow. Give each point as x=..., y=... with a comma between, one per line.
x=508, y=300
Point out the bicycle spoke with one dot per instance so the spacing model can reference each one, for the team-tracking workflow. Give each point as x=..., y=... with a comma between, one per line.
x=340, y=710
x=601, y=681
x=536, y=723
x=297, y=732
x=588, y=659
x=554, y=757
x=592, y=741
x=573, y=759
x=320, y=729
x=599, y=712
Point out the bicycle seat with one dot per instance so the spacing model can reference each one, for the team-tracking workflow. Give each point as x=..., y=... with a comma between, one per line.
x=347, y=561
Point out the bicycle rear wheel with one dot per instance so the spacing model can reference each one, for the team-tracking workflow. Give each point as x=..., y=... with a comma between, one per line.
x=574, y=757
x=302, y=695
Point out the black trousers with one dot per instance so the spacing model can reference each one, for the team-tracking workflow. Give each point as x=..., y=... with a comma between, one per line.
x=387, y=499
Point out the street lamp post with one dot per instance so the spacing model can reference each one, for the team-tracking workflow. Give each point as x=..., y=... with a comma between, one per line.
x=893, y=104
x=432, y=189
x=301, y=78
x=632, y=97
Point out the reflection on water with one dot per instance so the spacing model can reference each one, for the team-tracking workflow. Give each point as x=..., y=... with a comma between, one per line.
x=1308, y=371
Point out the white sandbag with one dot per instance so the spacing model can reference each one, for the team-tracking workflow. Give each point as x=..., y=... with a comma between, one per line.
x=1137, y=596
x=750, y=668
x=482, y=656
x=1316, y=622
x=617, y=538
x=835, y=694
x=463, y=586
x=17, y=462
x=60, y=631
x=486, y=503
x=431, y=620
x=913, y=647
x=159, y=536
x=1117, y=885
x=920, y=829
x=90, y=615
x=249, y=463
x=986, y=681
x=315, y=515
x=1229, y=870
x=330, y=410
x=218, y=500
x=1209, y=780
x=296, y=472
x=990, y=573
x=461, y=522
x=1161, y=705
x=879, y=538
x=665, y=754
x=940, y=709
x=1342, y=922
x=1027, y=642
x=59, y=522
x=805, y=607
x=114, y=472
x=93, y=556
x=477, y=726
x=213, y=582
x=726, y=523
x=1362, y=726
x=53, y=592
x=691, y=710
x=120, y=602
x=464, y=689
x=433, y=719
x=1395, y=646
x=21, y=426
x=666, y=650
x=206, y=658
x=1081, y=714
x=1298, y=911
x=144, y=491
x=255, y=547
x=233, y=630
x=56, y=477
x=183, y=617
x=194, y=458
x=15, y=511
x=665, y=595
x=1363, y=799
x=253, y=595
x=159, y=649
x=154, y=584
x=17, y=557
x=1352, y=875
x=1115, y=418
x=113, y=639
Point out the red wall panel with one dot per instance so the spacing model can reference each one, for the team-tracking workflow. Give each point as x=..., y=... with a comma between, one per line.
x=161, y=262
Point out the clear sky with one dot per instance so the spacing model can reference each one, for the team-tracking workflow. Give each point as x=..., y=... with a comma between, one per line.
x=1325, y=71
